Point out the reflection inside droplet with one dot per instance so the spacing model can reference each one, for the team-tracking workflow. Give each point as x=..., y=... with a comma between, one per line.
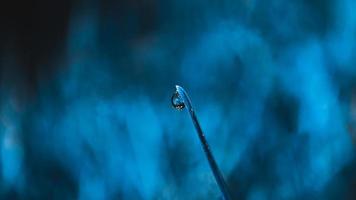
x=177, y=101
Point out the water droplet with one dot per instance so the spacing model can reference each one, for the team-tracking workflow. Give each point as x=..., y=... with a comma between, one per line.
x=177, y=101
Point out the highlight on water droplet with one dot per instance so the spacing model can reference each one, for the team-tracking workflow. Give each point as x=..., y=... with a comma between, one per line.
x=177, y=101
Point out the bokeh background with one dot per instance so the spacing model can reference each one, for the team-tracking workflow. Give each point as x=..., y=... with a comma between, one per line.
x=85, y=90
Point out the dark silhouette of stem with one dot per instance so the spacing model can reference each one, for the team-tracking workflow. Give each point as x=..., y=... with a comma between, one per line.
x=214, y=167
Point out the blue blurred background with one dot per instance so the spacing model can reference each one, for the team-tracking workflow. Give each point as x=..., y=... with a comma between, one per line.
x=85, y=92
